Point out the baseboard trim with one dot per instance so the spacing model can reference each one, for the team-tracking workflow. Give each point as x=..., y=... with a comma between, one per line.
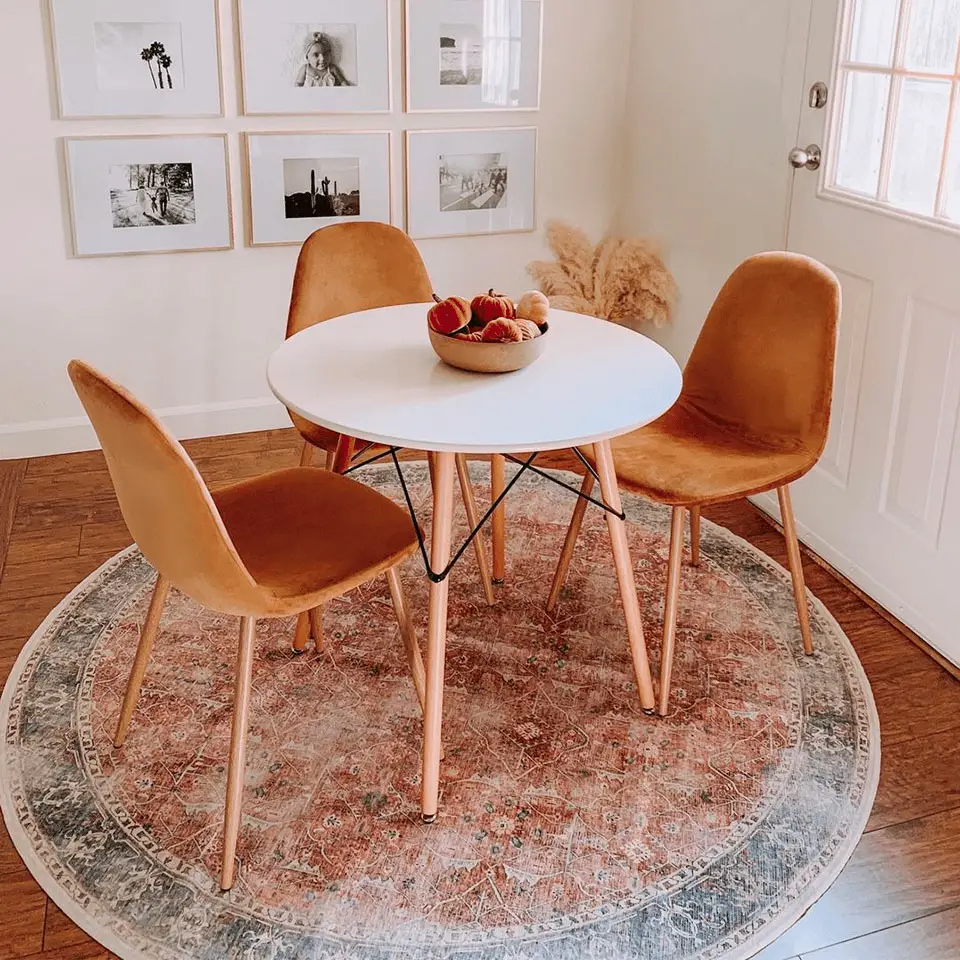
x=41, y=438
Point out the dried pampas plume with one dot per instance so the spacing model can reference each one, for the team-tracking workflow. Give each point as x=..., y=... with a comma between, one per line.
x=619, y=279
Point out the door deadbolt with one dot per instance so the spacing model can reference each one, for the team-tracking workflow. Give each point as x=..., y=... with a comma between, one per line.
x=809, y=158
x=818, y=95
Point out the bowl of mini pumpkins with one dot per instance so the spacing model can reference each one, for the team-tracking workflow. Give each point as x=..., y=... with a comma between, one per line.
x=491, y=333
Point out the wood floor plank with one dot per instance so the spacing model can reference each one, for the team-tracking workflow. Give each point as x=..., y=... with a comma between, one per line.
x=917, y=704
x=10, y=862
x=21, y=919
x=103, y=540
x=12, y=473
x=60, y=932
x=79, y=951
x=896, y=875
x=52, y=544
x=936, y=937
x=37, y=578
x=19, y=618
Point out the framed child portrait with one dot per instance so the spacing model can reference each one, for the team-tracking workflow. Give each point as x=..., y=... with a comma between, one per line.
x=471, y=182
x=315, y=56
x=300, y=182
x=137, y=58
x=473, y=54
x=149, y=194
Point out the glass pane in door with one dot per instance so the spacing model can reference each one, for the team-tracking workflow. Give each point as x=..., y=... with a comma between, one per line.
x=873, y=31
x=861, y=139
x=932, y=36
x=951, y=187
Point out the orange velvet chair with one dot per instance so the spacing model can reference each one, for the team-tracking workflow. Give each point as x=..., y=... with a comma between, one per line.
x=346, y=268
x=753, y=416
x=275, y=546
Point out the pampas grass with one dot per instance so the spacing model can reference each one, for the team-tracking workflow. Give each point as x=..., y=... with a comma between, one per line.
x=620, y=279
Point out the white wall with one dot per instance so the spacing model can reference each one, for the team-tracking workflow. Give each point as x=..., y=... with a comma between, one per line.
x=713, y=105
x=191, y=333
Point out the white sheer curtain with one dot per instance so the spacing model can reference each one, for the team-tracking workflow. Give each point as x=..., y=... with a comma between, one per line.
x=502, y=44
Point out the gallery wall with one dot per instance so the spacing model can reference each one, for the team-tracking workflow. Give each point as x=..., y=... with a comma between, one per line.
x=191, y=333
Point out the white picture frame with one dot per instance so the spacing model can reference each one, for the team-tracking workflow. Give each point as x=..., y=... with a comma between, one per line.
x=299, y=182
x=463, y=183
x=473, y=55
x=149, y=194
x=283, y=43
x=137, y=58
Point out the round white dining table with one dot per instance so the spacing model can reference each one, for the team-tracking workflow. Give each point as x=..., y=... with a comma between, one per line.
x=373, y=376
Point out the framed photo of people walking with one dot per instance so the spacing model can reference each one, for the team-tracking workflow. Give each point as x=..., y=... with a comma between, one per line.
x=473, y=54
x=315, y=56
x=471, y=182
x=149, y=194
x=300, y=182
x=137, y=58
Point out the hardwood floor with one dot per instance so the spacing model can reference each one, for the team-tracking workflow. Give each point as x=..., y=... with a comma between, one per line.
x=897, y=899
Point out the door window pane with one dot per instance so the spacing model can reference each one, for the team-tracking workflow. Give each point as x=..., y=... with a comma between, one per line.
x=933, y=36
x=952, y=185
x=873, y=32
x=918, y=144
x=861, y=139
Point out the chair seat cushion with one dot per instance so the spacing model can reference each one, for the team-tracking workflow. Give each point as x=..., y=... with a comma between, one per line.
x=684, y=459
x=311, y=534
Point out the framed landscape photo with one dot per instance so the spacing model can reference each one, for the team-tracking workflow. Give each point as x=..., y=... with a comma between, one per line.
x=300, y=182
x=149, y=194
x=473, y=54
x=471, y=182
x=137, y=58
x=315, y=56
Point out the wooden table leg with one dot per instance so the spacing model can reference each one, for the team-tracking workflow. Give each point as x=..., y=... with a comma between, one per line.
x=498, y=482
x=473, y=518
x=624, y=565
x=437, y=633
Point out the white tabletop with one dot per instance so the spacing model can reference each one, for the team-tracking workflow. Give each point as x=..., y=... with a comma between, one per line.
x=374, y=376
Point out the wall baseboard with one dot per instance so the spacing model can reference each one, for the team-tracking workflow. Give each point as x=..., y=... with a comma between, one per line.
x=41, y=438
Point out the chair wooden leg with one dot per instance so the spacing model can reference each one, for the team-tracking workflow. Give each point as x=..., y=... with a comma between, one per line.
x=670, y=607
x=148, y=634
x=437, y=636
x=344, y=454
x=306, y=455
x=628, y=586
x=301, y=637
x=796, y=566
x=409, y=635
x=473, y=518
x=498, y=482
x=316, y=627
x=566, y=555
x=330, y=460
x=695, y=536
x=238, y=751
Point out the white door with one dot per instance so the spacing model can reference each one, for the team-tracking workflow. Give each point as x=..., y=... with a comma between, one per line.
x=883, y=212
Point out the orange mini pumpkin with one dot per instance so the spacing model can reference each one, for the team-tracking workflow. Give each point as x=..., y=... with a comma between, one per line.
x=529, y=329
x=449, y=316
x=493, y=306
x=474, y=336
x=502, y=330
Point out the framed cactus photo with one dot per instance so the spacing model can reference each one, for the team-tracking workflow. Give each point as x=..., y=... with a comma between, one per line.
x=137, y=58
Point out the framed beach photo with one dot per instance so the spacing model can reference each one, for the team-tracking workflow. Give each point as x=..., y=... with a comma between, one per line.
x=137, y=58
x=315, y=56
x=473, y=54
x=471, y=182
x=132, y=195
x=300, y=182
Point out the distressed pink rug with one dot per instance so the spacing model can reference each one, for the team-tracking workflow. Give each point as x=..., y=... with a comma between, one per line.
x=571, y=825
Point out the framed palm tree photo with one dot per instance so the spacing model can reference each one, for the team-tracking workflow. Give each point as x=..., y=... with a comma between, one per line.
x=137, y=58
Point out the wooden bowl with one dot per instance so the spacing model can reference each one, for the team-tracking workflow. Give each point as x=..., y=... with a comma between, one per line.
x=487, y=357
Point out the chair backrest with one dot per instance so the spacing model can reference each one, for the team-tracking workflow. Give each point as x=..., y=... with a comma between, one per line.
x=164, y=501
x=349, y=267
x=763, y=363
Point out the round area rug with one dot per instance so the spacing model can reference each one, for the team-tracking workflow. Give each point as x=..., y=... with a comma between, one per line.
x=571, y=825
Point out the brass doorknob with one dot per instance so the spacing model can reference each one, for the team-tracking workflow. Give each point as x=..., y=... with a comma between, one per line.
x=809, y=158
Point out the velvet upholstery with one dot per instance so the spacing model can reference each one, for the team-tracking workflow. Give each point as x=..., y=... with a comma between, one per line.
x=277, y=545
x=346, y=268
x=754, y=410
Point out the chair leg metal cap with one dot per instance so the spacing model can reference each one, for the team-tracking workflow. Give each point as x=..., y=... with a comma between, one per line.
x=298, y=653
x=650, y=711
x=431, y=818
x=496, y=582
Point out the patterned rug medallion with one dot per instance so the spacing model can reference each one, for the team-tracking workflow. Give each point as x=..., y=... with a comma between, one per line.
x=571, y=825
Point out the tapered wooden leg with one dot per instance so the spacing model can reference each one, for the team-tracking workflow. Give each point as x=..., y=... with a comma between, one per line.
x=344, y=454
x=796, y=566
x=432, y=464
x=238, y=751
x=628, y=586
x=670, y=607
x=147, y=635
x=498, y=482
x=473, y=518
x=301, y=637
x=331, y=459
x=437, y=635
x=409, y=635
x=695, y=536
x=306, y=455
x=316, y=627
x=566, y=555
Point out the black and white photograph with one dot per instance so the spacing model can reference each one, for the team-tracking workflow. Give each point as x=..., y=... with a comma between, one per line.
x=461, y=54
x=139, y=56
x=321, y=188
x=473, y=182
x=321, y=55
x=152, y=194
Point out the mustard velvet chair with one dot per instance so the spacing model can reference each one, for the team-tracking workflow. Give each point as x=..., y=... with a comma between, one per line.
x=346, y=268
x=274, y=546
x=753, y=416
